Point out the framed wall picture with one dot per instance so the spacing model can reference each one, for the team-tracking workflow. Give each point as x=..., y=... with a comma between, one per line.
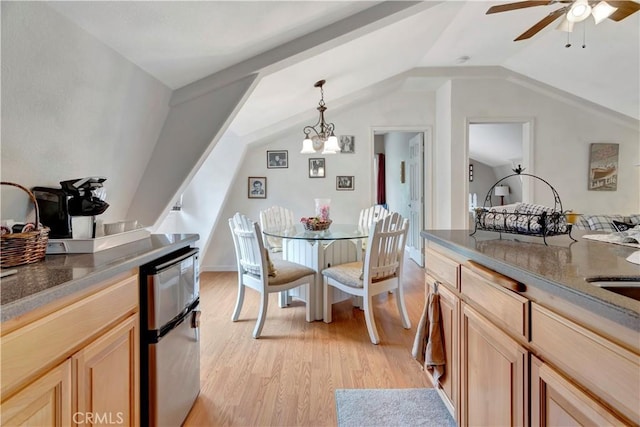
x=317, y=168
x=345, y=183
x=603, y=167
x=347, y=143
x=257, y=187
x=277, y=159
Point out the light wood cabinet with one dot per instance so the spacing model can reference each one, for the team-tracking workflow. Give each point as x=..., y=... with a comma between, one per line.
x=107, y=377
x=448, y=385
x=523, y=363
x=45, y=402
x=77, y=364
x=493, y=374
x=556, y=401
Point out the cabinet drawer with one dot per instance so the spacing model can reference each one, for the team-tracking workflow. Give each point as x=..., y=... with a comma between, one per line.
x=32, y=349
x=490, y=293
x=601, y=367
x=442, y=267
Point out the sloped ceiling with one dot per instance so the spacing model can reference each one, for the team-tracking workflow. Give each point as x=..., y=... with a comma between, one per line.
x=181, y=42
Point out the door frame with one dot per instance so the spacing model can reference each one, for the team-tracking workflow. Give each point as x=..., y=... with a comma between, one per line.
x=528, y=126
x=428, y=210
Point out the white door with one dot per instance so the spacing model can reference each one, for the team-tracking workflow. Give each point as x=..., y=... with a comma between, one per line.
x=416, y=199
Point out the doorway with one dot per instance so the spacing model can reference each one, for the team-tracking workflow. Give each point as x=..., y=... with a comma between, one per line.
x=494, y=148
x=406, y=180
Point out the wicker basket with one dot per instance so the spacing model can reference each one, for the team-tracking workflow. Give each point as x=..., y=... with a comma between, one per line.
x=318, y=226
x=27, y=247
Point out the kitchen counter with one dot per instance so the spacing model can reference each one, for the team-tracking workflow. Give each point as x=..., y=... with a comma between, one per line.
x=60, y=275
x=559, y=269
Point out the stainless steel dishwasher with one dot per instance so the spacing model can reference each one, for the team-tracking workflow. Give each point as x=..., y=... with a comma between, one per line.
x=170, y=335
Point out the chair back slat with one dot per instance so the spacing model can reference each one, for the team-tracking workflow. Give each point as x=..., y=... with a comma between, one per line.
x=248, y=243
x=275, y=218
x=370, y=215
x=385, y=249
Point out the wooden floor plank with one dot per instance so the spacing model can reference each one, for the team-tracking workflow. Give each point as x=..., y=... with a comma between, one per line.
x=288, y=377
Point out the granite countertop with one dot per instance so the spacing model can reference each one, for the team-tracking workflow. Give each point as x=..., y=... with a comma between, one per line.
x=59, y=275
x=559, y=268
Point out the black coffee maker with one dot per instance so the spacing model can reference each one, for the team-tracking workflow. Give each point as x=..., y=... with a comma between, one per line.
x=73, y=205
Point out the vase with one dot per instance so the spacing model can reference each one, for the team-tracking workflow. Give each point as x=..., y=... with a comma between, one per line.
x=323, y=208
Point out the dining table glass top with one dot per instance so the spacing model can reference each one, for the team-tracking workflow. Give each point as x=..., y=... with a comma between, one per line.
x=335, y=232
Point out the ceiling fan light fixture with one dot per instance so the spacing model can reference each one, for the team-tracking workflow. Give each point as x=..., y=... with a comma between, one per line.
x=579, y=11
x=602, y=11
x=565, y=25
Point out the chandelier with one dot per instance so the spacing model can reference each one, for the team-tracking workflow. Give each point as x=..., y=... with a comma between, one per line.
x=320, y=137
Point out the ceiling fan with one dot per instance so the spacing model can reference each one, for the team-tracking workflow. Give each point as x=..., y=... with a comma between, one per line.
x=573, y=11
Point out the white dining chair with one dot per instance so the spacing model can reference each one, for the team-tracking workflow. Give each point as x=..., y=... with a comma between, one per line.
x=368, y=216
x=258, y=272
x=380, y=272
x=275, y=218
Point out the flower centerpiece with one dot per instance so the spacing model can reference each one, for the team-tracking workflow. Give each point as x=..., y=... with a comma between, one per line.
x=321, y=221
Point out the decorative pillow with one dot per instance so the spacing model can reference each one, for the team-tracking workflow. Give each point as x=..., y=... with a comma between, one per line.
x=633, y=219
x=534, y=209
x=255, y=269
x=621, y=226
x=603, y=222
x=270, y=267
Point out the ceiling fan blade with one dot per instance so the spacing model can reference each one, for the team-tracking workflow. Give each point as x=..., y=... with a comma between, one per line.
x=517, y=5
x=625, y=8
x=542, y=23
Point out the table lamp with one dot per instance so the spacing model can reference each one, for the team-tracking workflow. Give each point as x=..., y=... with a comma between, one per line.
x=501, y=190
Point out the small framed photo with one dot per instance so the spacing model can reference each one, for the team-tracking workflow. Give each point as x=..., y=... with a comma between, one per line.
x=257, y=187
x=277, y=159
x=347, y=144
x=317, y=168
x=345, y=183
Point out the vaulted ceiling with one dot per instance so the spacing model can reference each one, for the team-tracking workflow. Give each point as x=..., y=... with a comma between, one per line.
x=180, y=42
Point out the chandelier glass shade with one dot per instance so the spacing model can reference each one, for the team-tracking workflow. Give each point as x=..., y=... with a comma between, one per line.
x=320, y=137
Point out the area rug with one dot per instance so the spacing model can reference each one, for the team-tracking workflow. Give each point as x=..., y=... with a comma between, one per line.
x=391, y=407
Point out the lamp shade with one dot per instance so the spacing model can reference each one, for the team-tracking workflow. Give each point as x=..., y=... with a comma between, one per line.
x=565, y=25
x=602, y=11
x=501, y=190
x=580, y=10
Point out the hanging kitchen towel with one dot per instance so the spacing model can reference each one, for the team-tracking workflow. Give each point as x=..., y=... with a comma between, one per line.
x=428, y=345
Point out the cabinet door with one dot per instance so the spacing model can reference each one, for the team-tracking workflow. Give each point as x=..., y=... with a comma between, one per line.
x=449, y=311
x=555, y=401
x=107, y=375
x=493, y=374
x=45, y=402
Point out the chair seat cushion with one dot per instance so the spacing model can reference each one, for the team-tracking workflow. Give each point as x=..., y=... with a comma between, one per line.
x=288, y=272
x=349, y=274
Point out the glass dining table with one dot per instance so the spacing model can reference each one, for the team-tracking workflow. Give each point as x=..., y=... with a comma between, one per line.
x=318, y=250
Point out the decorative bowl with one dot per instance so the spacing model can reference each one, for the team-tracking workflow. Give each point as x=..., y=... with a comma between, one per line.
x=316, y=224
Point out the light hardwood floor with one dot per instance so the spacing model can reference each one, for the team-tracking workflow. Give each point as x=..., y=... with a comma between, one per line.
x=289, y=375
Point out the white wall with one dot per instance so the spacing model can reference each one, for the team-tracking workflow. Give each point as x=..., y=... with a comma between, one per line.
x=396, y=147
x=72, y=107
x=563, y=132
x=484, y=177
x=293, y=188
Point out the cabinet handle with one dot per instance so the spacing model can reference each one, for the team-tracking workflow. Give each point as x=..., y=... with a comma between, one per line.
x=495, y=277
x=195, y=323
